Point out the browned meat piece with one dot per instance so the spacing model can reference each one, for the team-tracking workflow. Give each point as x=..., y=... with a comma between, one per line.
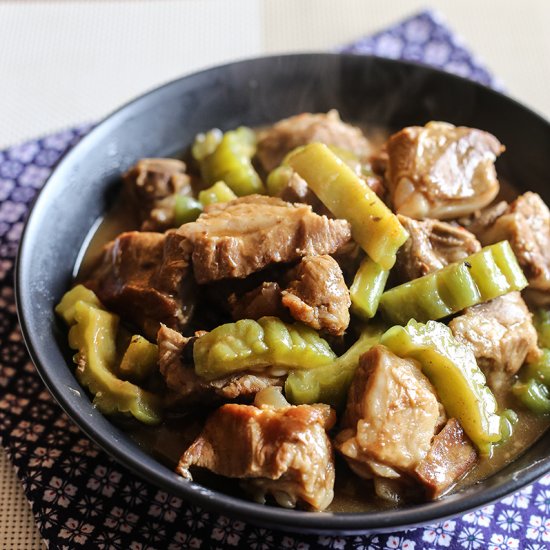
x=388, y=429
x=441, y=171
x=145, y=278
x=262, y=301
x=174, y=264
x=482, y=219
x=432, y=245
x=501, y=335
x=391, y=416
x=176, y=366
x=318, y=295
x=536, y=298
x=376, y=183
x=526, y=224
x=379, y=161
x=152, y=186
x=450, y=457
x=237, y=238
x=297, y=190
x=314, y=292
x=349, y=258
x=281, y=451
x=275, y=142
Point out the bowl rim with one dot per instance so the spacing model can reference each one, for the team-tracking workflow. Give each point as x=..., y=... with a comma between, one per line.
x=194, y=493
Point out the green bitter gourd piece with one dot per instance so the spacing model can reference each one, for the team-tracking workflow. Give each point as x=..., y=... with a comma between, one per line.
x=367, y=288
x=231, y=161
x=373, y=225
x=451, y=367
x=255, y=345
x=93, y=333
x=219, y=192
x=539, y=369
x=487, y=274
x=66, y=307
x=277, y=179
x=139, y=360
x=205, y=144
x=533, y=386
x=330, y=383
x=186, y=209
x=508, y=420
x=533, y=394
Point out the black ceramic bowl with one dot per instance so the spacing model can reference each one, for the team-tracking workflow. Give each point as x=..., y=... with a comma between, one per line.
x=255, y=92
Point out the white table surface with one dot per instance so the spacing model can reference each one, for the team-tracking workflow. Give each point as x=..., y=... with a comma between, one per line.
x=64, y=62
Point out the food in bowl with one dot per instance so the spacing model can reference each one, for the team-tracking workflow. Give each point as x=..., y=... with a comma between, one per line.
x=301, y=306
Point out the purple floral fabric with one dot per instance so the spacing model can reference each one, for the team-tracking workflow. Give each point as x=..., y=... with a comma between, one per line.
x=82, y=498
x=425, y=39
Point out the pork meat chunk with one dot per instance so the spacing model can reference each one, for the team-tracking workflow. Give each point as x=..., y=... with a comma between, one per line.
x=297, y=190
x=318, y=296
x=176, y=367
x=152, y=185
x=451, y=456
x=275, y=142
x=264, y=300
x=526, y=224
x=391, y=416
x=441, y=171
x=145, y=278
x=237, y=238
x=313, y=292
x=501, y=335
x=284, y=452
x=431, y=246
x=481, y=220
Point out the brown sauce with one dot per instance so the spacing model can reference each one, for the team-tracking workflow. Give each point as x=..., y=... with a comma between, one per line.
x=168, y=441
x=118, y=219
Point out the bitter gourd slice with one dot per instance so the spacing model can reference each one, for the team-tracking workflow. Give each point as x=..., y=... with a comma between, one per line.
x=139, y=360
x=219, y=192
x=330, y=383
x=255, y=345
x=452, y=369
x=231, y=161
x=487, y=274
x=373, y=225
x=367, y=288
x=93, y=334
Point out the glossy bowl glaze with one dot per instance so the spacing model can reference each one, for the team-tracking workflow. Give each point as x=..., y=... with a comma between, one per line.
x=255, y=92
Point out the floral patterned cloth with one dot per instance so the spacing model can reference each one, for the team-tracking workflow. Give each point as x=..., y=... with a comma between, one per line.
x=82, y=498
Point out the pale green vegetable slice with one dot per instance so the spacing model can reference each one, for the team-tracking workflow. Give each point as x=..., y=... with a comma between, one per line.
x=93, y=334
x=255, y=345
x=373, y=225
x=452, y=369
x=367, y=288
x=330, y=383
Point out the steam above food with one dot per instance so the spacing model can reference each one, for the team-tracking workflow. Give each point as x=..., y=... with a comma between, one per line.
x=301, y=290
